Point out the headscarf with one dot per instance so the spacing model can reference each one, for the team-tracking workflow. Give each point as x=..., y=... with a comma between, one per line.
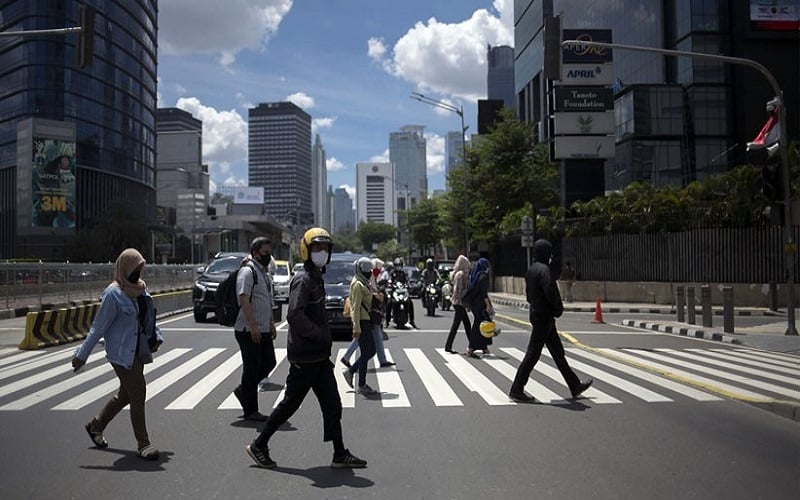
x=481, y=266
x=127, y=262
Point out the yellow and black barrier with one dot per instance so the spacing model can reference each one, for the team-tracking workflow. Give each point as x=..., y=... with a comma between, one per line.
x=59, y=326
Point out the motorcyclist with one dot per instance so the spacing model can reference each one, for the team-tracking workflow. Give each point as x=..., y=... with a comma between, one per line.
x=398, y=275
x=429, y=276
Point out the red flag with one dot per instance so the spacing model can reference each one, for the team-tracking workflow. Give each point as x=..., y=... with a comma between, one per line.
x=769, y=134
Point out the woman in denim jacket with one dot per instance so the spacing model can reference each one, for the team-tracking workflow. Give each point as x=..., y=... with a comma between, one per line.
x=126, y=320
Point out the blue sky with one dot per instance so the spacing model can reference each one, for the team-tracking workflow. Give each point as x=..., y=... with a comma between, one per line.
x=351, y=64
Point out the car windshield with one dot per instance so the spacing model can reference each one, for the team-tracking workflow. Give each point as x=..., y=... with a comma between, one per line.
x=338, y=273
x=412, y=272
x=281, y=270
x=224, y=265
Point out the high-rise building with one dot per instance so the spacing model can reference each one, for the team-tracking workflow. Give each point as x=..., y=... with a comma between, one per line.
x=74, y=141
x=407, y=154
x=344, y=217
x=453, y=151
x=319, y=180
x=376, y=194
x=182, y=179
x=678, y=119
x=500, y=75
x=279, y=160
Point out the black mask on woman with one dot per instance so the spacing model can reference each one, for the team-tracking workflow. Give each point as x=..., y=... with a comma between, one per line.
x=134, y=276
x=264, y=260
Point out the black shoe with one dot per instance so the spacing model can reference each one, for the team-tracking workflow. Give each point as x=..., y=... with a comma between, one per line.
x=414, y=326
x=345, y=362
x=255, y=416
x=260, y=457
x=347, y=461
x=521, y=397
x=581, y=388
x=451, y=351
x=386, y=363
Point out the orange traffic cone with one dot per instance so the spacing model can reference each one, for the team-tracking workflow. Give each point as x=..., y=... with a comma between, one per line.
x=598, y=313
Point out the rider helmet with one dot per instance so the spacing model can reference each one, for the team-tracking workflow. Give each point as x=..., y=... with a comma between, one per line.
x=363, y=268
x=315, y=235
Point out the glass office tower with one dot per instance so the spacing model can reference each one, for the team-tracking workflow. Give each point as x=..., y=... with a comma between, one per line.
x=73, y=141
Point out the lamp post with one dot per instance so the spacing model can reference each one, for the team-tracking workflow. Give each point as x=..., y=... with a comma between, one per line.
x=460, y=112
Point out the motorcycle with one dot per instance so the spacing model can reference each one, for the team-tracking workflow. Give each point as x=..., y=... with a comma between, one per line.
x=447, y=296
x=400, y=302
x=431, y=298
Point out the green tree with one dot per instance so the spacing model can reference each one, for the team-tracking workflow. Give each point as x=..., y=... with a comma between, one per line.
x=347, y=242
x=374, y=232
x=425, y=226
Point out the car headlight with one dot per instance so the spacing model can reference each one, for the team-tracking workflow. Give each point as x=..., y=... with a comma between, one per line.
x=200, y=286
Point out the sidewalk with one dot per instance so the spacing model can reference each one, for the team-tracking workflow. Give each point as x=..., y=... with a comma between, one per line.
x=769, y=336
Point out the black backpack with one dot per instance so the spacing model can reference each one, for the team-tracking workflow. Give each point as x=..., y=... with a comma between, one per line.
x=227, y=300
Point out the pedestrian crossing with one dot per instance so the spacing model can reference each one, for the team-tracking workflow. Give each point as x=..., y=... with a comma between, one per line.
x=186, y=379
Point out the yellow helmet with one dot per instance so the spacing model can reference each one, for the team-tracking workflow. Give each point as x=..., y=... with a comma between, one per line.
x=487, y=329
x=315, y=235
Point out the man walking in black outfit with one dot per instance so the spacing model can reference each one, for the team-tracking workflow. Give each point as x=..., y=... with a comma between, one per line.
x=308, y=351
x=545, y=307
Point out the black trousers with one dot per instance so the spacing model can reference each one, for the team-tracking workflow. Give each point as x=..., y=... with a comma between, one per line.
x=544, y=333
x=257, y=361
x=460, y=316
x=318, y=377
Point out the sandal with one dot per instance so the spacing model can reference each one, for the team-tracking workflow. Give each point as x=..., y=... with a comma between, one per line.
x=97, y=437
x=472, y=354
x=149, y=452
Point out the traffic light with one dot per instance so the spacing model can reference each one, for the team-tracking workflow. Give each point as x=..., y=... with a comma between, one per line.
x=84, y=49
x=552, y=48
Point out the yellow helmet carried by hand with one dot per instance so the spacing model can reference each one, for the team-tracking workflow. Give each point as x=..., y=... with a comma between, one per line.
x=315, y=235
x=487, y=329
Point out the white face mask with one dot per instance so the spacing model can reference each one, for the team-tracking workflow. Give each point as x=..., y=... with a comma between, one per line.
x=319, y=258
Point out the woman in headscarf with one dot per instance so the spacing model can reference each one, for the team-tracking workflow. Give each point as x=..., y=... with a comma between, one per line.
x=360, y=306
x=481, y=305
x=126, y=320
x=460, y=277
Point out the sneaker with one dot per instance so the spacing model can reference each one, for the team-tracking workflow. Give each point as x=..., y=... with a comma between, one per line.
x=366, y=390
x=345, y=362
x=414, y=325
x=97, y=437
x=347, y=461
x=581, y=388
x=148, y=452
x=348, y=377
x=521, y=397
x=260, y=457
x=386, y=364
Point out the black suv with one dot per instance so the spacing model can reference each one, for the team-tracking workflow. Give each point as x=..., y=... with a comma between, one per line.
x=205, y=288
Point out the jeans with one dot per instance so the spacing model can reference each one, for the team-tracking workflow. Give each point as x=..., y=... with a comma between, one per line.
x=366, y=343
x=544, y=333
x=132, y=390
x=460, y=316
x=377, y=335
x=258, y=360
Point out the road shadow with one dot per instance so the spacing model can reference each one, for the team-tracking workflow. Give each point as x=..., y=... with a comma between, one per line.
x=242, y=423
x=326, y=477
x=129, y=461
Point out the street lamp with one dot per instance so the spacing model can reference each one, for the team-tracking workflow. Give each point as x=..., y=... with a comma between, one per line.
x=460, y=112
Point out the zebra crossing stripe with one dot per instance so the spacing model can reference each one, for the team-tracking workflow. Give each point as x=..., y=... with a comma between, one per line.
x=109, y=386
x=772, y=364
x=733, y=366
x=19, y=357
x=192, y=397
x=534, y=388
x=658, y=380
x=786, y=358
x=439, y=390
x=346, y=394
x=389, y=383
x=231, y=403
x=177, y=373
x=35, y=363
x=726, y=375
x=475, y=380
x=708, y=383
x=596, y=395
x=7, y=350
x=57, y=371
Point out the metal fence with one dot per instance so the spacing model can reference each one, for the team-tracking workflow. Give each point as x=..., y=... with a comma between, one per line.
x=42, y=283
x=706, y=255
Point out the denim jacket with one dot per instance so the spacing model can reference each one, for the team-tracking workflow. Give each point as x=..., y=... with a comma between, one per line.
x=117, y=321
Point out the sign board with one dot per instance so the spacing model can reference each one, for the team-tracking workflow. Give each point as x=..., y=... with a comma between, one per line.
x=584, y=123
x=587, y=74
x=583, y=99
x=583, y=53
x=526, y=226
x=583, y=146
x=527, y=240
x=248, y=195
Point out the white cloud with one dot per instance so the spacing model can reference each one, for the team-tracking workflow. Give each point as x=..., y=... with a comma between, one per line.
x=449, y=59
x=380, y=158
x=376, y=49
x=302, y=100
x=318, y=123
x=351, y=190
x=332, y=164
x=434, y=153
x=237, y=25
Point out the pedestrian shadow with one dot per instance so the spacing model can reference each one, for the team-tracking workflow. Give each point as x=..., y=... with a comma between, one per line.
x=573, y=405
x=242, y=423
x=327, y=477
x=129, y=461
x=380, y=396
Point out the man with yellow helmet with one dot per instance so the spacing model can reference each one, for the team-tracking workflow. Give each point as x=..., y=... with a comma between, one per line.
x=308, y=345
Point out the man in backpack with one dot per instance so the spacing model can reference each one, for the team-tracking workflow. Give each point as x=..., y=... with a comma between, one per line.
x=255, y=326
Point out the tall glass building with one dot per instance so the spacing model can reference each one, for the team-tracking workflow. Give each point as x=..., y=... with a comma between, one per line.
x=677, y=119
x=72, y=141
x=407, y=154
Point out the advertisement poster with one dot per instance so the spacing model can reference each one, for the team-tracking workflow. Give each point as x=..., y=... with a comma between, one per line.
x=775, y=15
x=53, y=183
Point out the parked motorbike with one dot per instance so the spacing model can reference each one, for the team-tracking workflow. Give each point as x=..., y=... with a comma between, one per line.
x=447, y=296
x=431, y=298
x=400, y=304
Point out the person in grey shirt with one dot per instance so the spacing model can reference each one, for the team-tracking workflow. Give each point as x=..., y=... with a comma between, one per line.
x=255, y=326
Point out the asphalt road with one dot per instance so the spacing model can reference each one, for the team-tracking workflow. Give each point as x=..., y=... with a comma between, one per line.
x=668, y=417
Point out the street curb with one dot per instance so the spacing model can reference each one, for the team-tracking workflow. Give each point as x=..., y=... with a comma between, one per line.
x=684, y=331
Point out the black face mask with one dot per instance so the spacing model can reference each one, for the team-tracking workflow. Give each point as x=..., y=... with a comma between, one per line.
x=264, y=260
x=134, y=276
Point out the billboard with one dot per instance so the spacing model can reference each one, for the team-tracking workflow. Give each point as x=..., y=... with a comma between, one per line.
x=587, y=74
x=53, y=177
x=582, y=54
x=584, y=123
x=248, y=195
x=583, y=99
x=582, y=147
x=775, y=15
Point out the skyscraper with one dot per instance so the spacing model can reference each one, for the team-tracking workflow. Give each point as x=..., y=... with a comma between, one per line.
x=94, y=127
x=453, y=151
x=376, y=194
x=407, y=153
x=319, y=180
x=279, y=160
x=500, y=74
x=344, y=217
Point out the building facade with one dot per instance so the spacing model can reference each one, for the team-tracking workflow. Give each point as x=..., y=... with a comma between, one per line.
x=344, y=216
x=453, y=151
x=407, y=154
x=500, y=74
x=319, y=180
x=74, y=142
x=376, y=194
x=279, y=160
